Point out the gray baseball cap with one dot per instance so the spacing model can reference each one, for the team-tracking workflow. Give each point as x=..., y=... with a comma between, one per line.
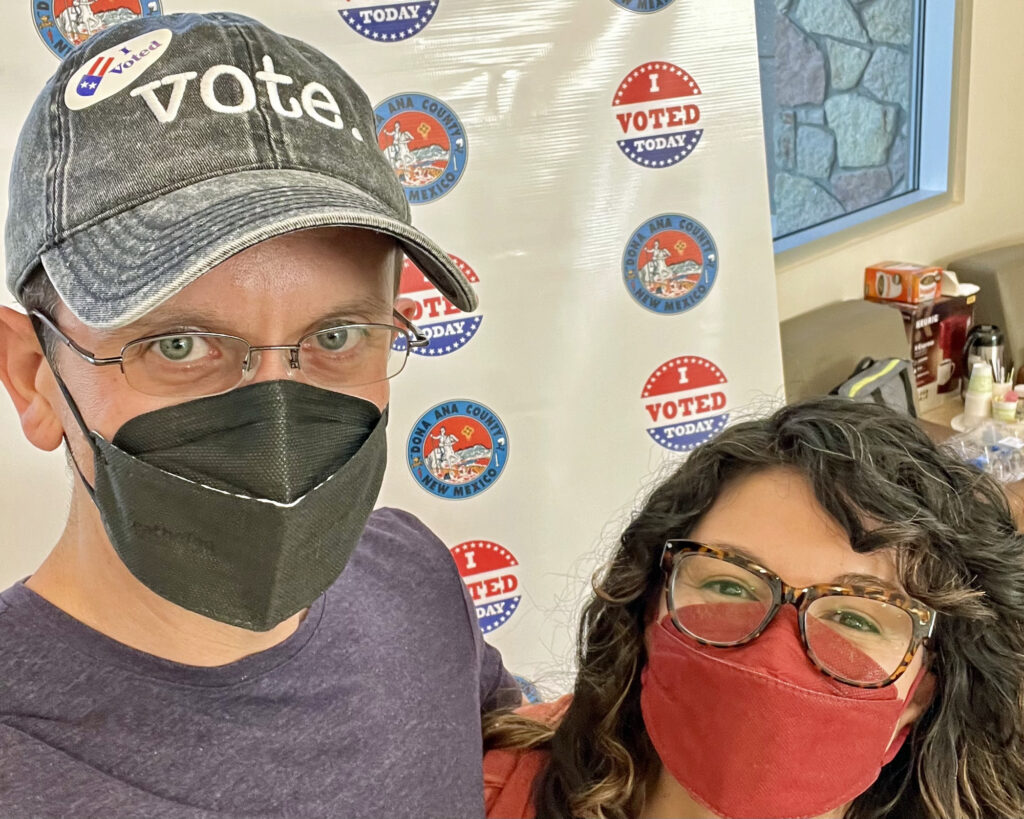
x=167, y=144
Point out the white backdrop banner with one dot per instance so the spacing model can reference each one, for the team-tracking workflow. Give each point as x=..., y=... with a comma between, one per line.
x=597, y=168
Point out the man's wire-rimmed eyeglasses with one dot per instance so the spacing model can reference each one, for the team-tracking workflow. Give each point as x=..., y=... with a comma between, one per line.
x=198, y=364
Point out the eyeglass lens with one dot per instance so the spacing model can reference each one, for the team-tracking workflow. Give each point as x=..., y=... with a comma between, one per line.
x=858, y=639
x=196, y=364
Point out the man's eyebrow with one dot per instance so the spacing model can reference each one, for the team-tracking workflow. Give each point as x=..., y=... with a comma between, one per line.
x=363, y=306
x=158, y=323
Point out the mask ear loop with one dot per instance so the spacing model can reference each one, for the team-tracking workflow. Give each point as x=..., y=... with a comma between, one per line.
x=75, y=412
x=907, y=734
x=901, y=737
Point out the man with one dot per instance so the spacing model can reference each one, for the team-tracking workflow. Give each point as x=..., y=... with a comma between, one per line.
x=207, y=241
x=657, y=269
x=398, y=152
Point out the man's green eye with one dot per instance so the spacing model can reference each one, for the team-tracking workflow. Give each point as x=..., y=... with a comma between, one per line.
x=334, y=341
x=176, y=349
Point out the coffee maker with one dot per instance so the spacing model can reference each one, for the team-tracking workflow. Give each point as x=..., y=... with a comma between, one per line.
x=985, y=342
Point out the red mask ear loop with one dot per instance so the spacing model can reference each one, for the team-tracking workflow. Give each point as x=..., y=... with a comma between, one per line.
x=901, y=737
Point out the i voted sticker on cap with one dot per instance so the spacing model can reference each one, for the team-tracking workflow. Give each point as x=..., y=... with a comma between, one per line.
x=113, y=70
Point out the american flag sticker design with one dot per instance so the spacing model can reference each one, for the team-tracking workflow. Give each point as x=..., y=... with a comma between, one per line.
x=91, y=81
x=115, y=69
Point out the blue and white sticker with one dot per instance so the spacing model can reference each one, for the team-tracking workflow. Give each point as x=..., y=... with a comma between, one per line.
x=670, y=264
x=685, y=402
x=657, y=115
x=448, y=328
x=643, y=6
x=388, y=22
x=66, y=24
x=457, y=449
x=423, y=139
x=491, y=574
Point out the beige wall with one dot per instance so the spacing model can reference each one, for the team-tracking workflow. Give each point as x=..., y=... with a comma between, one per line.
x=986, y=206
x=40, y=493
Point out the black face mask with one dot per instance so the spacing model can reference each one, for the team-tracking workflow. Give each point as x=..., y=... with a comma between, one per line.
x=246, y=506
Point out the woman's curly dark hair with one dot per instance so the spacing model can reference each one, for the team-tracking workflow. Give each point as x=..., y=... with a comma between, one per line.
x=956, y=548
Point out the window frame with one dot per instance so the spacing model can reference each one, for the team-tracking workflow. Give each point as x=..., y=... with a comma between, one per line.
x=931, y=130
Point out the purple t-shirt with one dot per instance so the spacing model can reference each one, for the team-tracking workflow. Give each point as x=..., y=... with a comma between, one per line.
x=372, y=708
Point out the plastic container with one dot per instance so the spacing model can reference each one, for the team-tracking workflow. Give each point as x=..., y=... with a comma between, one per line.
x=1004, y=408
x=994, y=448
x=981, y=379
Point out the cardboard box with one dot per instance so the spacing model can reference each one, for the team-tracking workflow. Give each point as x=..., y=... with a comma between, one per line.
x=902, y=282
x=936, y=332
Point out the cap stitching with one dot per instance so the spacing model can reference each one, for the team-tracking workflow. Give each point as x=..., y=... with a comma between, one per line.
x=263, y=198
x=178, y=185
x=56, y=150
x=61, y=177
x=444, y=278
x=271, y=138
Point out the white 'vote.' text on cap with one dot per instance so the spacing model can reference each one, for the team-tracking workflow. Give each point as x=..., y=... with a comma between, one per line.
x=317, y=101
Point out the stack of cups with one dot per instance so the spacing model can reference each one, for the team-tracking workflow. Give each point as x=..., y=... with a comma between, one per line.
x=978, y=399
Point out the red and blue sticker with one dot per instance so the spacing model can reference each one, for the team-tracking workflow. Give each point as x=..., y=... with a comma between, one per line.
x=388, y=22
x=491, y=574
x=423, y=139
x=670, y=263
x=657, y=112
x=685, y=403
x=643, y=6
x=448, y=328
x=457, y=449
x=66, y=24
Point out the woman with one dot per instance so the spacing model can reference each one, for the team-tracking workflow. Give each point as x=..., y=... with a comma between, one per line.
x=818, y=614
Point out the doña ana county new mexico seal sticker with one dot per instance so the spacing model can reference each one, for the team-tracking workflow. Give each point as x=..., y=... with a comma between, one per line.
x=643, y=6
x=425, y=143
x=66, y=24
x=670, y=264
x=457, y=449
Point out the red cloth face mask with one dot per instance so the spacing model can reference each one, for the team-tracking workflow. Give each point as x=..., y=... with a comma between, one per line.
x=757, y=730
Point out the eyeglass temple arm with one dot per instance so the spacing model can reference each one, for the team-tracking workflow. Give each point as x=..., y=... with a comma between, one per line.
x=668, y=551
x=931, y=625
x=42, y=318
x=418, y=339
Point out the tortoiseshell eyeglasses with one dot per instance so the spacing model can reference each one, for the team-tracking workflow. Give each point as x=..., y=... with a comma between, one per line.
x=861, y=635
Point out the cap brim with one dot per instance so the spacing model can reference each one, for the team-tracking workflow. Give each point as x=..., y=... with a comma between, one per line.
x=117, y=270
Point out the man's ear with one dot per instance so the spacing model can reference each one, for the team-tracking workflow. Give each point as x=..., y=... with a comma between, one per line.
x=407, y=307
x=23, y=372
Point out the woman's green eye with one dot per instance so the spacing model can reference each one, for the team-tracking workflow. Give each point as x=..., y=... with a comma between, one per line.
x=729, y=588
x=178, y=348
x=851, y=619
